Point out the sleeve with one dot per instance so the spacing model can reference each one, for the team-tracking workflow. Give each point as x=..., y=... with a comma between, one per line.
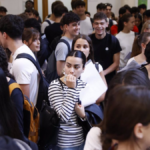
x=43, y=26
x=129, y=61
x=100, y=68
x=93, y=139
x=116, y=47
x=135, y=29
x=22, y=71
x=64, y=107
x=114, y=30
x=61, y=51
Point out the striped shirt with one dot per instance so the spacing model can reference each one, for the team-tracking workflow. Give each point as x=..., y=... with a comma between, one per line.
x=63, y=101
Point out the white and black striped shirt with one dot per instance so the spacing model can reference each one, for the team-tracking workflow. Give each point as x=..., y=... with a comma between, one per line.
x=63, y=101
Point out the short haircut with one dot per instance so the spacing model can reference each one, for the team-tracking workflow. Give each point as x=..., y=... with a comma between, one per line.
x=79, y=3
x=100, y=16
x=127, y=7
x=13, y=25
x=36, y=13
x=108, y=4
x=54, y=4
x=147, y=13
x=3, y=9
x=29, y=10
x=69, y=18
x=122, y=11
x=73, y=4
x=86, y=12
x=134, y=10
x=23, y=16
x=59, y=10
x=142, y=6
x=101, y=6
x=29, y=1
x=32, y=23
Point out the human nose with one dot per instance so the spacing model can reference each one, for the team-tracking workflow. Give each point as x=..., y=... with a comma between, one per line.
x=71, y=70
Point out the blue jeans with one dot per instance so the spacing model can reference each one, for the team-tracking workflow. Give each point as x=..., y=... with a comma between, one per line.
x=81, y=147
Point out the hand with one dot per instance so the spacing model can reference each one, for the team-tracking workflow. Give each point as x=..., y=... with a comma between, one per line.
x=71, y=81
x=79, y=109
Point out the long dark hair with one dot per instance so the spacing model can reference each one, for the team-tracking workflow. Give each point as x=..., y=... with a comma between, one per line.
x=88, y=39
x=79, y=54
x=142, y=38
x=127, y=106
x=8, y=121
x=4, y=63
x=147, y=53
x=124, y=18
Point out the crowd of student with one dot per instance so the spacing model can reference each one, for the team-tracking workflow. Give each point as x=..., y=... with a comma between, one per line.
x=75, y=82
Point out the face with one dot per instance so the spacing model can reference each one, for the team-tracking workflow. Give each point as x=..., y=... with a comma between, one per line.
x=102, y=10
x=74, y=66
x=147, y=30
x=29, y=5
x=130, y=24
x=142, y=10
x=80, y=10
x=137, y=22
x=3, y=42
x=2, y=13
x=29, y=15
x=34, y=44
x=108, y=11
x=100, y=26
x=82, y=45
x=73, y=28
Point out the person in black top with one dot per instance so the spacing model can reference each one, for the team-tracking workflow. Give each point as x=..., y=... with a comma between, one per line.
x=54, y=29
x=106, y=47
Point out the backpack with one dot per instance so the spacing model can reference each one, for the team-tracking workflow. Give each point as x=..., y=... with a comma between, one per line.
x=110, y=23
x=43, y=85
x=30, y=116
x=51, y=70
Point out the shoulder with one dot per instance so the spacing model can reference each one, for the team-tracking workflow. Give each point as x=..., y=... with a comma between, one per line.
x=81, y=83
x=44, y=24
x=130, y=60
x=92, y=36
x=54, y=84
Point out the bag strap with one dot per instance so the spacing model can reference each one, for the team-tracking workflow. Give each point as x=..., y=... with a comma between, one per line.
x=29, y=57
x=13, y=86
x=66, y=42
x=97, y=66
x=113, y=41
x=48, y=22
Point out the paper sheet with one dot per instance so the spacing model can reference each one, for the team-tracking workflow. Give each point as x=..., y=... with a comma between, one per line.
x=95, y=85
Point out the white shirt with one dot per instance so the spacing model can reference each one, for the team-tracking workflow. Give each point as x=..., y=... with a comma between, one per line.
x=86, y=26
x=44, y=25
x=25, y=72
x=113, y=21
x=126, y=42
x=93, y=139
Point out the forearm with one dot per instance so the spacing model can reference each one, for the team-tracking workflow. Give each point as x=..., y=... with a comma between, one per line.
x=111, y=68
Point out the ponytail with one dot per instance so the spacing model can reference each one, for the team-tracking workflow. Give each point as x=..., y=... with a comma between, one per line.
x=106, y=141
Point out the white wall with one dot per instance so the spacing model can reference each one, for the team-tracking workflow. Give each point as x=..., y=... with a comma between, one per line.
x=40, y=9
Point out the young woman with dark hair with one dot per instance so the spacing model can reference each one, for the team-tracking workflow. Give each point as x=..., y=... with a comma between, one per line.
x=130, y=125
x=63, y=96
x=138, y=22
x=126, y=37
x=132, y=77
x=84, y=43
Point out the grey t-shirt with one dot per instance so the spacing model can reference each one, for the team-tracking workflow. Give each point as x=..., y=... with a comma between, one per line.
x=62, y=50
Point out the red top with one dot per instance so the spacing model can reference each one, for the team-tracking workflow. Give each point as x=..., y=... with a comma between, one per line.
x=114, y=29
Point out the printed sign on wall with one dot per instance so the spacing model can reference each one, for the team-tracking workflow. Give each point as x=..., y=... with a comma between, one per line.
x=142, y=2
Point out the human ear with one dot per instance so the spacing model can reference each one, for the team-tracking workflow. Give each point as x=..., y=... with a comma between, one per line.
x=139, y=131
x=143, y=45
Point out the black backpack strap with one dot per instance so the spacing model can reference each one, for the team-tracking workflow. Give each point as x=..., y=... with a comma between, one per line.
x=113, y=42
x=97, y=66
x=68, y=45
x=29, y=57
x=110, y=23
x=48, y=21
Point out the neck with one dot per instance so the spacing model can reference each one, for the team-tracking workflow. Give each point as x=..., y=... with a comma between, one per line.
x=14, y=45
x=128, y=146
x=82, y=17
x=52, y=17
x=100, y=36
x=125, y=30
x=69, y=36
x=57, y=20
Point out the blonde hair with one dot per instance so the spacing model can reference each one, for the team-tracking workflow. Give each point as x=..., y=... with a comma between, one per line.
x=145, y=25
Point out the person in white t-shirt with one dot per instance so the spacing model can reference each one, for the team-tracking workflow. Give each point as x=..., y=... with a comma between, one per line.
x=126, y=37
x=24, y=71
x=50, y=19
x=85, y=22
